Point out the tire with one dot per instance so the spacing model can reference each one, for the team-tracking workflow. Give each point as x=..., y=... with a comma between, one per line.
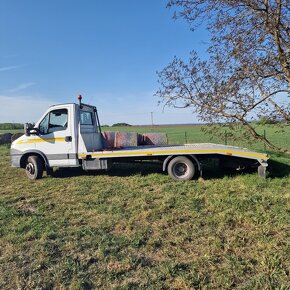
x=181, y=168
x=34, y=167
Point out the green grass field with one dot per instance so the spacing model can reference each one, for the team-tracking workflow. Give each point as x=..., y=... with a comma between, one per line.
x=135, y=228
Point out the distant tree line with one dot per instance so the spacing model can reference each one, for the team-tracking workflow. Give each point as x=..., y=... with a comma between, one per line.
x=121, y=125
x=117, y=125
x=11, y=126
x=269, y=121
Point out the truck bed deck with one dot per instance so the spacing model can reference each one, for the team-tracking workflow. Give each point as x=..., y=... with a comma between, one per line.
x=188, y=149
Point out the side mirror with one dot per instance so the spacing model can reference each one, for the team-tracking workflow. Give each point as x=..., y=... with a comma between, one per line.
x=29, y=129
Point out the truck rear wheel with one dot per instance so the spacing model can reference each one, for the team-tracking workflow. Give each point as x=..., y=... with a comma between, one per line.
x=181, y=168
x=34, y=167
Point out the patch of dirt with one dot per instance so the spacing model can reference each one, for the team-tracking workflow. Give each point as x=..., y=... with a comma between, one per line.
x=25, y=207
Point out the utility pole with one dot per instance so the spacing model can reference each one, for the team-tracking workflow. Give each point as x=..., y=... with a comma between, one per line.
x=152, y=119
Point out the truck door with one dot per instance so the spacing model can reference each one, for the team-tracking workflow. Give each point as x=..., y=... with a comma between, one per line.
x=55, y=137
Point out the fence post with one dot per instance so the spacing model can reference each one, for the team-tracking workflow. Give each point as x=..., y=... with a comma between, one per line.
x=226, y=138
x=265, y=138
x=185, y=135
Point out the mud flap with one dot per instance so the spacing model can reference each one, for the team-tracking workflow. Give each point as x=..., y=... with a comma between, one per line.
x=262, y=171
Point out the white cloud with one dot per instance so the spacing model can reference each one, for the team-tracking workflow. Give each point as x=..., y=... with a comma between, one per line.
x=22, y=109
x=137, y=117
x=6, y=68
x=136, y=109
x=21, y=87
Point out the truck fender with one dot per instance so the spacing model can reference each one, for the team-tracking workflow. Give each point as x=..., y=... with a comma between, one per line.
x=34, y=152
x=168, y=158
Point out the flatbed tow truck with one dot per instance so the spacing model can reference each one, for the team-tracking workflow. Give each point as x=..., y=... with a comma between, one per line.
x=69, y=135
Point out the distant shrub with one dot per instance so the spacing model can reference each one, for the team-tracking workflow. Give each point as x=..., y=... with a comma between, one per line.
x=121, y=125
x=267, y=120
x=11, y=126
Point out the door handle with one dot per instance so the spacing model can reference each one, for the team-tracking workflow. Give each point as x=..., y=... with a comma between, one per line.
x=68, y=139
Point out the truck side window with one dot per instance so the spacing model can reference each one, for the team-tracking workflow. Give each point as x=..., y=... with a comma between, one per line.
x=86, y=118
x=55, y=120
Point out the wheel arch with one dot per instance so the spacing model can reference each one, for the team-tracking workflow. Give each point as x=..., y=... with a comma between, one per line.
x=38, y=153
x=191, y=157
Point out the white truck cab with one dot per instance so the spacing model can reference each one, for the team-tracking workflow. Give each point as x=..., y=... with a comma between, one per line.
x=69, y=135
x=58, y=137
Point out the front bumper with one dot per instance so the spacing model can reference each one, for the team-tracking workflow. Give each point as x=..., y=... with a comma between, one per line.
x=15, y=157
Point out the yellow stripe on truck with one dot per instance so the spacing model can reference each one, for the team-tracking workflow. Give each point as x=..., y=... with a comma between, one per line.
x=147, y=153
x=38, y=140
x=170, y=152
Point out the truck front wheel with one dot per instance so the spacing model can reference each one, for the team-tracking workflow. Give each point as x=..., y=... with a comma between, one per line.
x=34, y=167
x=181, y=168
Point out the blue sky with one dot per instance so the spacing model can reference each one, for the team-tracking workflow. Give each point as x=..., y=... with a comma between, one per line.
x=108, y=51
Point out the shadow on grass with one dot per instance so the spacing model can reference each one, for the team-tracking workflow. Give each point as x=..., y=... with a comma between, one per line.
x=211, y=169
x=275, y=169
x=125, y=170
x=120, y=170
x=278, y=169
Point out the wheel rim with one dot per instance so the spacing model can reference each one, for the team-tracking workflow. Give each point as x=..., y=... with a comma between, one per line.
x=30, y=169
x=180, y=169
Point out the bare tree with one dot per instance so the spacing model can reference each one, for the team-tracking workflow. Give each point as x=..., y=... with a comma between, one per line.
x=247, y=75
